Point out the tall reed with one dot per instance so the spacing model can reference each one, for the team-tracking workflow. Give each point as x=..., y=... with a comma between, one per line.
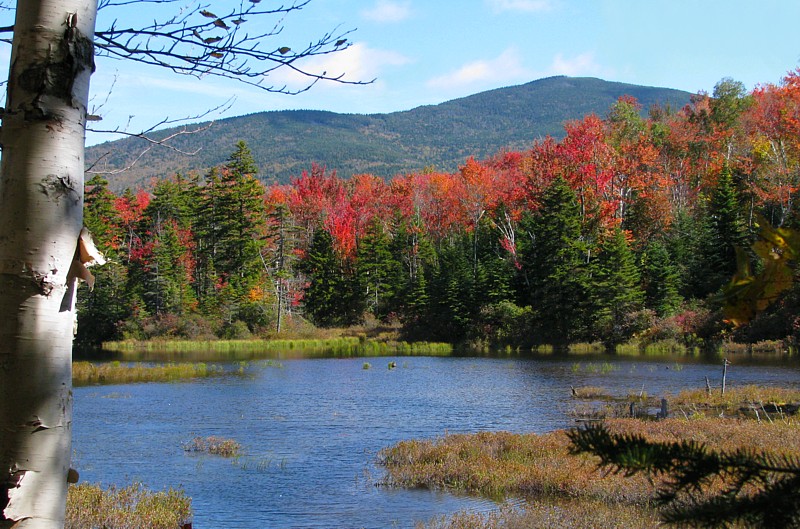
x=88, y=373
x=306, y=348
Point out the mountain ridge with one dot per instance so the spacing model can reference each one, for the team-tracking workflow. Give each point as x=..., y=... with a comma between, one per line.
x=286, y=142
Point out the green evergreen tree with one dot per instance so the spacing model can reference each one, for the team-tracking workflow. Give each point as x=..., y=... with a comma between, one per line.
x=412, y=249
x=554, y=271
x=377, y=269
x=749, y=487
x=616, y=291
x=724, y=231
x=102, y=308
x=661, y=280
x=453, y=303
x=241, y=215
x=230, y=227
x=332, y=296
x=495, y=271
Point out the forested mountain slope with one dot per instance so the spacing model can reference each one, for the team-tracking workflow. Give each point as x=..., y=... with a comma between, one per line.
x=285, y=143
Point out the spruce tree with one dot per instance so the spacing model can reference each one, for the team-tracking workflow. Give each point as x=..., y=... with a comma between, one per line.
x=453, y=294
x=106, y=304
x=241, y=214
x=332, y=296
x=703, y=487
x=377, y=269
x=725, y=231
x=616, y=290
x=660, y=277
x=553, y=265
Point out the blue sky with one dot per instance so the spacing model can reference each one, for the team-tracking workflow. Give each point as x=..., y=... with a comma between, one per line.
x=430, y=51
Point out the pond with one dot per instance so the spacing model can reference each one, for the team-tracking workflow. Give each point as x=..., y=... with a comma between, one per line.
x=310, y=430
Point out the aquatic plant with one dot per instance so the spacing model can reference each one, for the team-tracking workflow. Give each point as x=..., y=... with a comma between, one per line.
x=88, y=373
x=90, y=506
x=504, y=464
x=563, y=513
x=219, y=446
x=345, y=347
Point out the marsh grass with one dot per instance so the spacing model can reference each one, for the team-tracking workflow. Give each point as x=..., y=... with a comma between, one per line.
x=343, y=346
x=603, y=368
x=540, y=467
x=88, y=373
x=590, y=393
x=218, y=446
x=550, y=512
x=741, y=399
x=90, y=506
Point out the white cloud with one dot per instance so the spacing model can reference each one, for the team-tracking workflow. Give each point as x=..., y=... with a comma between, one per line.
x=359, y=62
x=583, y=64
x=526, y=6
x=504, y=68
x=387, y=11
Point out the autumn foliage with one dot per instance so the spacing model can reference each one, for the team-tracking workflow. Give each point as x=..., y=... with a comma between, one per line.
x=224, y=253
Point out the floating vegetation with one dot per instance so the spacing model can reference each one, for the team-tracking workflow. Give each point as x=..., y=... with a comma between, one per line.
x=90, y=506
x=595, y=368
x=366, y=365
x=88, y=373
x=218, y=446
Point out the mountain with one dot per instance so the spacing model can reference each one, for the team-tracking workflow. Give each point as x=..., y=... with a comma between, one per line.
x=284, y=143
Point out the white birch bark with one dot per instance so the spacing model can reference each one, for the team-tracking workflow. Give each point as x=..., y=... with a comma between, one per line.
x=41, y=202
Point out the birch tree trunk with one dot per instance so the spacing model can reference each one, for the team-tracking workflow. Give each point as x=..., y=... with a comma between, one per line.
x=41, y=202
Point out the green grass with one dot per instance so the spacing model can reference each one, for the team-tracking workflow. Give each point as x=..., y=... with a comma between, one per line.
x=302, y=348
x=133, y=507
x=88, y=373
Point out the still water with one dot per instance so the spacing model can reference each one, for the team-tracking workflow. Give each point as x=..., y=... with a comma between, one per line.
x=311, y=429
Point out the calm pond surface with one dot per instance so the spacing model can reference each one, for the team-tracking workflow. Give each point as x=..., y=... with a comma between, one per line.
x=311, y=429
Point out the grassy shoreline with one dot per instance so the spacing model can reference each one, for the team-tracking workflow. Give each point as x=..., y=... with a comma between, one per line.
x=88, y=373
x=343, y=347
x=540, y=469
x=561, y=489
x=363, y=346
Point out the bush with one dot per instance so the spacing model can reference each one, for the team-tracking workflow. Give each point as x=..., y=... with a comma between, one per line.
x=237, y=330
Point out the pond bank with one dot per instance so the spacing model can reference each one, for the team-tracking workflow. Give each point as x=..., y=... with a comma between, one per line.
x=342, y=347
x=541, y=469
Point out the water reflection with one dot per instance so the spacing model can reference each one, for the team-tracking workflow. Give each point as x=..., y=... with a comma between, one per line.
x=310, y=429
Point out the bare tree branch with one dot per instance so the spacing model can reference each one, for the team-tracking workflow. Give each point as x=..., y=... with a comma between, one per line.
x=200, y=43
x=159, y=142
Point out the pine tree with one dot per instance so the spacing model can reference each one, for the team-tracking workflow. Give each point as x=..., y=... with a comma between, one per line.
x=724, y=232
x=230, y=227
x=554, y=269
x=661, y=279
x=616, y=290
x=332, y=295
x=107, y=304
x=377, y=269
x=453, y=305
x=241, y=214
x=750, y=487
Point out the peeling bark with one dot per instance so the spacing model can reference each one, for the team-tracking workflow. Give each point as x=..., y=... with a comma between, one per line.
x=41, y=202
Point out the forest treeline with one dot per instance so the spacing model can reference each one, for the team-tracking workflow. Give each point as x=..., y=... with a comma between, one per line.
x=629, y=227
